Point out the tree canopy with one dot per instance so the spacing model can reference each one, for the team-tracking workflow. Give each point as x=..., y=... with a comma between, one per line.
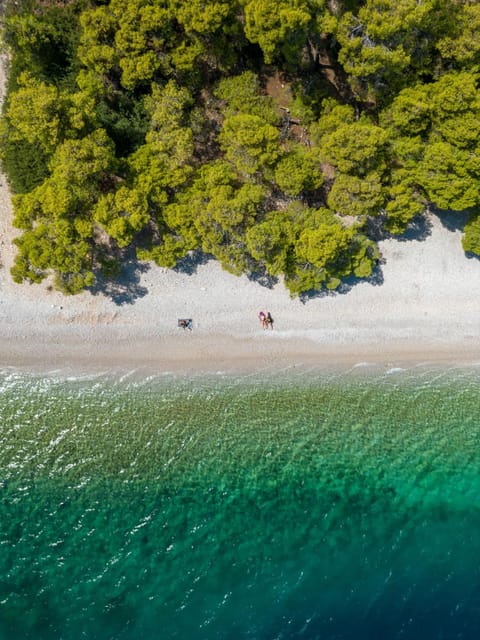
x=267, y=133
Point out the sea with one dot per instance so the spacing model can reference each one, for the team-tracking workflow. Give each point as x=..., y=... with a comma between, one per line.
x=304, y=503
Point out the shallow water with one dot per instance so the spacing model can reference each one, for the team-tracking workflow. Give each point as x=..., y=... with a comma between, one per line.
x=305, y=505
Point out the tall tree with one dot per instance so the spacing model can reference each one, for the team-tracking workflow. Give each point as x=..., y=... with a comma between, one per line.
x=298, y=171
x=386, y=43
x=56, y=216
x=214, y=213
x=250, y=143
x=278, y=26
x=311, y=247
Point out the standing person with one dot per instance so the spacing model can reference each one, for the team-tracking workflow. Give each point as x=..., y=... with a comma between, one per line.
x=269, y=320
x=263, y=319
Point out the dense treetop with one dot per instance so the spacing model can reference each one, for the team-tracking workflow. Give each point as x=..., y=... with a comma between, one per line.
x=267, y=133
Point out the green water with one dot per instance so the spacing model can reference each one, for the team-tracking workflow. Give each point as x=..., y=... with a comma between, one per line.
x=305, y=505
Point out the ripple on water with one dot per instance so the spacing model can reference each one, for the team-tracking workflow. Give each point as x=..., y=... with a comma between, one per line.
x=325, y=503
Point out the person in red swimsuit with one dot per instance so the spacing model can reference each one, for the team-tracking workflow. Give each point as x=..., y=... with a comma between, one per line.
x=263, y=319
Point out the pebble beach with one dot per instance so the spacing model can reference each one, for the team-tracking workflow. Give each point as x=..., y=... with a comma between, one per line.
x=421, y=305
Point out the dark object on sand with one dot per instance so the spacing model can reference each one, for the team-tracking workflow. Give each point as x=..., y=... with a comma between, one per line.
x=185, y=323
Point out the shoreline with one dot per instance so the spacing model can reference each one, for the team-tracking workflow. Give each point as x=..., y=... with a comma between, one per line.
x=426, y=309
x=422, y=305
x=220, y=353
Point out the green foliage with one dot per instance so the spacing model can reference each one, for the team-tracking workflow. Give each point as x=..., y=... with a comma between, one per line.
x=272, y=241
x=434, y=133
x=311, y=247
x=215, y=212
x=454, y=93
x=471, y=238
x=164, y=161
x=461, y=43
x=44, y=38
x=141, y=29
x=324, y=245
x=249, y=143
x=25, y=165
x=37, y=118
x=96, y=51
x=386, y=41
x=122, y=38
x=241, y=95
x=446, y=174
x=356, y=148
x=34, y=113
x=45, y=249
x=140, y=41
x=410, y=112
x=122, y=214
x=403, y=204
x=158, y=124
x=354, y=196
x=278, y=26
x=298, y=171
x=333, y=116
x=56, y=215
x=124, y=119
x=167, y=254
x=199, y=16
x=327, y=251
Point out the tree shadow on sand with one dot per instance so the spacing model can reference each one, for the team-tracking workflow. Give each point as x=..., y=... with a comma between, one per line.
x=452, y=220
x=124, y=288
x=456, y=221
x=263, y=278
x=418, y=230
x=190, y=263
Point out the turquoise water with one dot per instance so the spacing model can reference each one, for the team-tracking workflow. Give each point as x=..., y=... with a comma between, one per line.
x=307, y=505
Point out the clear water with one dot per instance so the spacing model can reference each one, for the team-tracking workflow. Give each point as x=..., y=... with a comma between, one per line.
x=314, y=505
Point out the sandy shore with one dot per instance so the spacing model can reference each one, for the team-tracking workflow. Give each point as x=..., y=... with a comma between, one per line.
x=422, y=306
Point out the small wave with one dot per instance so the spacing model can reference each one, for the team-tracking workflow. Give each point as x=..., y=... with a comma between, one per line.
x=395, y=370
